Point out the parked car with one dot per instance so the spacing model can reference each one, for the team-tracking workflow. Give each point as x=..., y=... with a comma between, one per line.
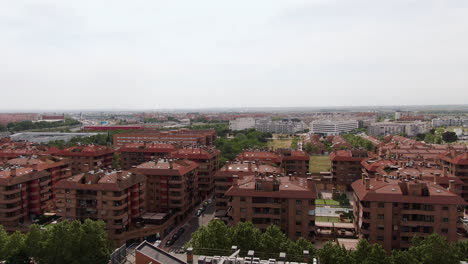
x=199, y=212
x=180, y=231
x=170, y=242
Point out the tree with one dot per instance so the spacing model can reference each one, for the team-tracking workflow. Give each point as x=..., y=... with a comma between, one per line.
x=246, y=234
x=273, y=240
x=15, y=249
x=3, y=242
x=216, y=235
x=449, y=136
x=334, y=254
x=369, y=254
x=433, y=249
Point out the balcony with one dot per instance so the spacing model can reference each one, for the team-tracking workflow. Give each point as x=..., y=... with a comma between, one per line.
x=114, y=198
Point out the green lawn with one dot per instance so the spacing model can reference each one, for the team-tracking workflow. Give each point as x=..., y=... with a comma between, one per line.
x=326, y=202
x=327, y=219
x=280, y=143
x=319, y=163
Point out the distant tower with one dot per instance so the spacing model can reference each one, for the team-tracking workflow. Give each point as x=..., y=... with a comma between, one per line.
x=397, y=115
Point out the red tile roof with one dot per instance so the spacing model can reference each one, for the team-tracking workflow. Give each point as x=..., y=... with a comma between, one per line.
x=391, y=191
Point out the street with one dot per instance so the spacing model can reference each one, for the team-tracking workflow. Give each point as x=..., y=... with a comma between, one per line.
x=191, y=226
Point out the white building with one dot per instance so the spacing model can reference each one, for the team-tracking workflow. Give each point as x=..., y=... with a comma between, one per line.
x=437, y=122
x=332, y=128
x=242, y=123
x=410, y=128
x=285, y=126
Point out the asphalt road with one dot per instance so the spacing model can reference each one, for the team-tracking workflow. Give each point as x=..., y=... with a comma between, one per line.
x=191, y=226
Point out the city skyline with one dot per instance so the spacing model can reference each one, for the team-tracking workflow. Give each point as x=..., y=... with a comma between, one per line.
x=168, y=55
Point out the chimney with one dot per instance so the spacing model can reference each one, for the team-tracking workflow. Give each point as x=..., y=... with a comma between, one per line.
x=68, y=172
x=364, y=176
x=119, y=175
x=310, y=183
x=190, y=255
x=367, y=183
x=13, y=172
x=235, y=180
x=377, y=176
x=445, y=171
x=35, y=167
x=452, y=186
x=385, y=178
x=86, y=167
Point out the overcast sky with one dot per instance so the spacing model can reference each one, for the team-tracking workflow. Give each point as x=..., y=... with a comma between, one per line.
x=61, y=54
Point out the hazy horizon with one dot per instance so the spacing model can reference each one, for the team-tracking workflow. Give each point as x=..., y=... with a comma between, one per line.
x=141, y=55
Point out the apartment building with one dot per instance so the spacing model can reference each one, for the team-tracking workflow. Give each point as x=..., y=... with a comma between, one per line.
x=256, y=155
x=456, y=163
x=172, y=186
x=333, y=127
x=295, y=161
x=266, y=199
x=181, y=136
x=135, y=154
x=410, y=128
x=346, y=167
x=116, y=197
x=207, y=159
x=439, y=122
x=25, y=194
x=85, y=158
x=224, y=178
x=390, y=210
x=286, y=126
x=242, y=123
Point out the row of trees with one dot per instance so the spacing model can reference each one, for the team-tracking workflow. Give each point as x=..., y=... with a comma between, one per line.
x=217, y=238
x=437, y=137
x=358, y=142
x=231, y=147
x=29, y=125
x=64, y=242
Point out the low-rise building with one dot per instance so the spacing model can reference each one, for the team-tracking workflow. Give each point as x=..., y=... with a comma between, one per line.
x=295, y=162
x=457, y=164
x=181, y=136
x=438, y=122
x=287, y=201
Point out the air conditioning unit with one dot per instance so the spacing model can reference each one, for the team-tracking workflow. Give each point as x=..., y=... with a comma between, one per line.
x=216, y=259
x=209, y=260
x=231, y=260
x=240, y=261
x=247, y=260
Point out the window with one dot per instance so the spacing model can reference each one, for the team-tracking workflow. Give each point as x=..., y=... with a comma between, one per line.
x=444, y=230
x=380, y=238
x=298, y=223
x=381, y=205
x=381, y=227
x=445, y=208
x=242, y=199
x=298, y=234
x=243, y=210
x=68, y=201
x=380, y=216
x=298, y=212
x=242, y=219
x=445, y=220
x=298, y=202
